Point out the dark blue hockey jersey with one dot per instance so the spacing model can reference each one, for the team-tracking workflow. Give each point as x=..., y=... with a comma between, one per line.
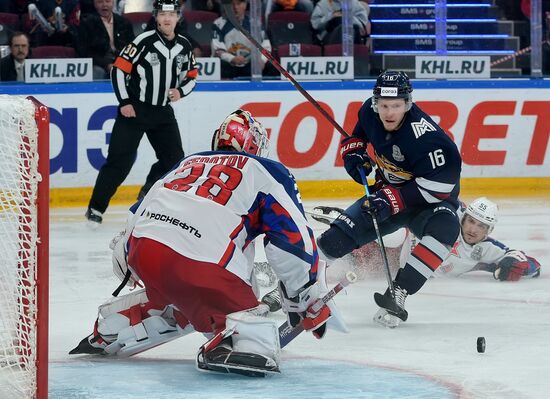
x=418, y=158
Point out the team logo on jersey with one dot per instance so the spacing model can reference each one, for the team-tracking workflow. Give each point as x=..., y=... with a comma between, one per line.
x=396, y=154
x=477, y=253
x=154, y=59
x=180, y=59
x=393, y=173
x=419, y=128
x=454, y=250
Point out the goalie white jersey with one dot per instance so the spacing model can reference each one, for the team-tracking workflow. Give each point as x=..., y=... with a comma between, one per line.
x=213, y=205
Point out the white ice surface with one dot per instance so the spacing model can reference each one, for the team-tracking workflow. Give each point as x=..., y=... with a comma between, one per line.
x=432, y=355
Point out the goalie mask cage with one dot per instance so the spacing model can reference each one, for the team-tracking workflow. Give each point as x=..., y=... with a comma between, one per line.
x=24, y=202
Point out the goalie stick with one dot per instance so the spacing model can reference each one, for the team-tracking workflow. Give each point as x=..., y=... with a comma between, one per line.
x=287, y=333
x=230, y=15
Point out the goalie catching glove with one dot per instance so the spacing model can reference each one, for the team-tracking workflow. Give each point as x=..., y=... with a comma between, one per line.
x=120, y=261
x=514, y=265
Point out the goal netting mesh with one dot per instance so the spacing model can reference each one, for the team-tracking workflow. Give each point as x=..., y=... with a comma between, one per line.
x=19, y=179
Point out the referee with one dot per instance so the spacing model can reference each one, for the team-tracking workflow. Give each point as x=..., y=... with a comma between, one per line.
x=151, y=72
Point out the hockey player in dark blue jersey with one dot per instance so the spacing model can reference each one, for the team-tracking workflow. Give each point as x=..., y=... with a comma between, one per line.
x=417, y=186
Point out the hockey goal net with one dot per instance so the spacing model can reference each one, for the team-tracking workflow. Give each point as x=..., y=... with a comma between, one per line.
x=24, y=198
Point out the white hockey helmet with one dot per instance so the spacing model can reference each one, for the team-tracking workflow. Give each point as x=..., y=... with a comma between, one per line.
x=483, y=210
x=241, y=132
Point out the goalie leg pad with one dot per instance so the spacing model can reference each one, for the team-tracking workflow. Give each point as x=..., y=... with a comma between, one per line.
x=151, y=332
x=248, y=346
x=124, y=302
x=254, y=334
x=128, y=325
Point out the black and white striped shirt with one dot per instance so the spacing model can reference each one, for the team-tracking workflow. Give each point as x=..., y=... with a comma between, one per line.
x=150, y=65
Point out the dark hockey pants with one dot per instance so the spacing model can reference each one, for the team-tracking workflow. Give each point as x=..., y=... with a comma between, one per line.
x=161, y=128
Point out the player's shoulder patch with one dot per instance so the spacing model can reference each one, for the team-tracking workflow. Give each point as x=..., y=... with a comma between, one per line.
x=422, y=127
x=421, y=123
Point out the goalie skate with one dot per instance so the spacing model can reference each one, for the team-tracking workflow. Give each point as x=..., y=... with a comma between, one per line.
x=326, y=214
x=89, y=346
x=273, y=300
x=222, y=359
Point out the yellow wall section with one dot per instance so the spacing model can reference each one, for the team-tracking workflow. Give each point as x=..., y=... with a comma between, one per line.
x=470, y=187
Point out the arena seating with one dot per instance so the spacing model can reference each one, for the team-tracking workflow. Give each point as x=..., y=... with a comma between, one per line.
x=199, y=27
x=8, y=23
x=53, y=52
x=473, y=27
x=139, y=21
x=289, y=27
x=299, y=49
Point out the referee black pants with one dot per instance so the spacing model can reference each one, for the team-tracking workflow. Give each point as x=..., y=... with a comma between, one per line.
x=161, y=128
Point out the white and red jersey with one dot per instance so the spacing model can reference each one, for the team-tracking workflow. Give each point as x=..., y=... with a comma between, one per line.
x=213, y=205
x=464, y=257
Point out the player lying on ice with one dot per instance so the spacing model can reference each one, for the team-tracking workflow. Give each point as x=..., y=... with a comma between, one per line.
x=473, y=250
x=190, y=242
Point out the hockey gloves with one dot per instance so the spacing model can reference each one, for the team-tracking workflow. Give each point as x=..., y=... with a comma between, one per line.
x=299, y=309
x=354, y=154
x=514, y=265
x=384, y=203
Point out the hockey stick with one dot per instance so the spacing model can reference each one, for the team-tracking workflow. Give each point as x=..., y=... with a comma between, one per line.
x=287, y=333
x=379, y=236
x=230, y=15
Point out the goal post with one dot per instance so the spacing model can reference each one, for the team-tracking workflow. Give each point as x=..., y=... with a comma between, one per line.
x=24, y=252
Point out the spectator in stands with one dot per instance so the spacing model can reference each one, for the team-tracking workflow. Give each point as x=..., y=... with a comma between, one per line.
x=327, y=17
x=12, y=66
x=54, y=22
x=129, y=6
x=102, y=36
x=232, y=47
x=292, y=5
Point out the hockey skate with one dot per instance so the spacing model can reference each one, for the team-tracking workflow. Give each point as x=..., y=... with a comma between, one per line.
x=273, y=300
x=89, y=346
x=391, y=311
x=326, y=214
x=94, y=218
x=223, y=359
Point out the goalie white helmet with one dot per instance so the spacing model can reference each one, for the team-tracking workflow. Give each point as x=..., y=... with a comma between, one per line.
x=484, y=211
x=241, y=132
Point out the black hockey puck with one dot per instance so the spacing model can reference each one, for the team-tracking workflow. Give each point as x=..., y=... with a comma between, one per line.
x=480, y=344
